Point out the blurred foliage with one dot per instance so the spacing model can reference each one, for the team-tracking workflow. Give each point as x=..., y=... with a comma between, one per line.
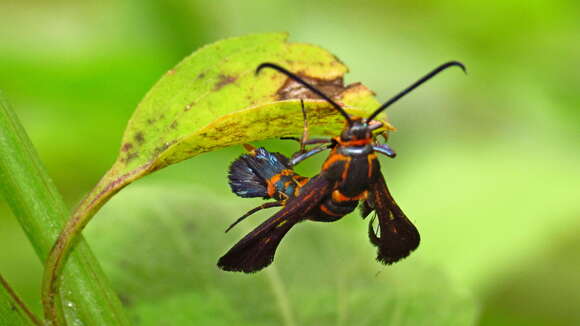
x=163, y=268
x=488, y=164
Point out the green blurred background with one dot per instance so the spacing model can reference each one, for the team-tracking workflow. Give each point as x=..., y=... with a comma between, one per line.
x=488, y=165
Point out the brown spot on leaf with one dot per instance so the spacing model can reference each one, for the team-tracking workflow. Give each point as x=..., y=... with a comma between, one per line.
x=125, y=300
x=230, y=129
x=126, y=147
x=163, y=147
x=251, y=100
x=189, y=106
x=333, y=88
x=170, y=72
x=201, y=76
x=224, y=80
x=125, y=264
x=336, y=61
x=131, y=156
x=173, y=124
x=139, y=138
x=189, y=227
x=150, y=121
x=357, y=88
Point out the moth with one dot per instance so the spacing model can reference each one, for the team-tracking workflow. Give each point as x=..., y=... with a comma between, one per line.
x=350, y=175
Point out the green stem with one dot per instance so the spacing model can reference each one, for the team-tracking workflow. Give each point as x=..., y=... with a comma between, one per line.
x=41, y=211
x=67, y=240
x=17, y=303
x=281, y=296
x=71, y=234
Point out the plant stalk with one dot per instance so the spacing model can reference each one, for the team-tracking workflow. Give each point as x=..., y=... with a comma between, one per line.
x=67, y=241
x=17, y=303
x=41, y=211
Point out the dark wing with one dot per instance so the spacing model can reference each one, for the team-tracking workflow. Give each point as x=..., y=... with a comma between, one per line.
x=249, y=173
x=256, y=250
x=244, y=180
x=398, y=236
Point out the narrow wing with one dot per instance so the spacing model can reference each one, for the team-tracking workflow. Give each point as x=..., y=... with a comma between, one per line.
x=256, y=250
x=398, y=236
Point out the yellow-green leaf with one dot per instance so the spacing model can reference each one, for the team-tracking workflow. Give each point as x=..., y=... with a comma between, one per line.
x=213, y=99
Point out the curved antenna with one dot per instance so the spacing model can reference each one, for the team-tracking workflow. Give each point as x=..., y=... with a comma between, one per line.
x=417, y=84
x=305, y=84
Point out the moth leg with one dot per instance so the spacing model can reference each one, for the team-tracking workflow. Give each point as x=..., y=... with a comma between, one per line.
x=366, y=207
x=304, y=140
x=249, y=147
x=385, y=150
x=303, y=154
x=254, y=210
x=299, y=157
x=311, y=141
x=305, y=129
x=290, y=138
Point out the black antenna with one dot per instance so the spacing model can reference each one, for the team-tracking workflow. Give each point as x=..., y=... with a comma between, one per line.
x=417, y=84
x=305, y=84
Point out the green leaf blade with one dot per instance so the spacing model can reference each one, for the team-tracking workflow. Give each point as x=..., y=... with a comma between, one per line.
x=41, y=211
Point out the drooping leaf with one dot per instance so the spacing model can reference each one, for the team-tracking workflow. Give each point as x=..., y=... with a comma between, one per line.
x=160, y=245
x=213, y=99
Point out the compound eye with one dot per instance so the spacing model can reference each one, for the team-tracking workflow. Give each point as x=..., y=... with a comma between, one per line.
x=363, y=133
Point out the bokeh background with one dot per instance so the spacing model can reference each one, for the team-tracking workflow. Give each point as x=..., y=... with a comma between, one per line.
x=488, y=165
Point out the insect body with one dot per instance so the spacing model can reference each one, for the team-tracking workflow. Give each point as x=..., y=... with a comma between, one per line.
x=351, y=174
